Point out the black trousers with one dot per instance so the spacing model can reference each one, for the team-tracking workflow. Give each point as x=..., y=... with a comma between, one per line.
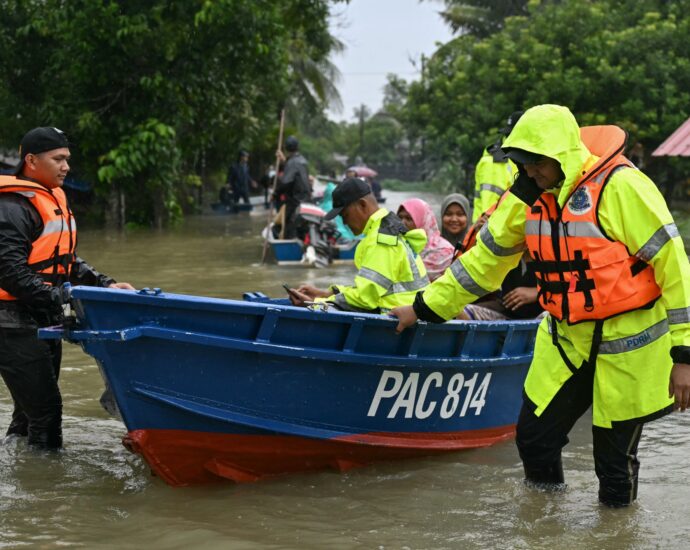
x=540, y=440
x=240, y=192
x=291, y=213
x=30, y=368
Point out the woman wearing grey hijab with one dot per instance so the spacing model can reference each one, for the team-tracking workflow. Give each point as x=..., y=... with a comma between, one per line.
x=455, y=216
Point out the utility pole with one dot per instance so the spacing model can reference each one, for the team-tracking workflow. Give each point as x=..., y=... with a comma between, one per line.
x=361, y=129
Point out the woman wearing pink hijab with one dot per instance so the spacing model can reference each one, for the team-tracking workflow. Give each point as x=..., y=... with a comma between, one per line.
x=438, y=252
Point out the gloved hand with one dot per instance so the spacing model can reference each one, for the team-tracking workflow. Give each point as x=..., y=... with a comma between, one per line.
x=69, y=317
x=525, y=188
x=66, y=292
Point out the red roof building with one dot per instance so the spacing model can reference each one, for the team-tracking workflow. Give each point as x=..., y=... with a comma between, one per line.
x=677, y=144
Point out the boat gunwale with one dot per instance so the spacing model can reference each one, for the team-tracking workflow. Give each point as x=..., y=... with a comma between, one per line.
x=190, y=301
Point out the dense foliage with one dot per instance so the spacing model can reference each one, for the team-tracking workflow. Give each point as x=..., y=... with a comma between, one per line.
x=377, y=139
x=480, y=17
x=156, y=95
x=611, y=61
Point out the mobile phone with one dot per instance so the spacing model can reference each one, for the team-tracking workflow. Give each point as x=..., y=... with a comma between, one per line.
x=291, y=292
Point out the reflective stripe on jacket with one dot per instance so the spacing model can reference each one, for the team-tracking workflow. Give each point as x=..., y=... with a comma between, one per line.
x=471, y=236
x=52, y=253
x=582, y=274
x=492, y=178
x=390, y=269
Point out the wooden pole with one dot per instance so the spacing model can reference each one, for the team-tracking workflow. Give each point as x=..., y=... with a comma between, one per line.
x=275, y=185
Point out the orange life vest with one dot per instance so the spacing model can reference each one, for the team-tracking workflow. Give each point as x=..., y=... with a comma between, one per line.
x=582, y=274
x=52, y=253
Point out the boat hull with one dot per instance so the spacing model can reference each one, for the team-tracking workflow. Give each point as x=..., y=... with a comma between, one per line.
x=182, y=457
x=215, y=389
x=290, y=252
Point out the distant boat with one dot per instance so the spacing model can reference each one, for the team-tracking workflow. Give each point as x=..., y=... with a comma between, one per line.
x=292, y=251
x=319, y=248
x=213, y=389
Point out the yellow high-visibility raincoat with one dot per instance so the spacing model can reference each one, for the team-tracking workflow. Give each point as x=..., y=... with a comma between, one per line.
x=390, y=270
x=491, y=178
x=633, y=366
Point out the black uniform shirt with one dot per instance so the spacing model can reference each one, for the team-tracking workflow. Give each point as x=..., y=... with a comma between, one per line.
x=37, y=304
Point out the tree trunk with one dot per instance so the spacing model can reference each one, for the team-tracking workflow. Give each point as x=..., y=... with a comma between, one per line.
x=159, y=211
x=115, y=209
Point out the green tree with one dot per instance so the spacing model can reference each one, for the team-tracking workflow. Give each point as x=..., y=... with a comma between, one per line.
x=480, y=17
x=621, y=62
x=154, y=94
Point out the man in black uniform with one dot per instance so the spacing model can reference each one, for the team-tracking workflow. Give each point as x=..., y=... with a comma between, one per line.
x=293, y=184
x=239, y=178
x=37, y=255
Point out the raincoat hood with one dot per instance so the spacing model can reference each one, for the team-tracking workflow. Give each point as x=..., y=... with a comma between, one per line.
x=552, y=131
x=416, y=238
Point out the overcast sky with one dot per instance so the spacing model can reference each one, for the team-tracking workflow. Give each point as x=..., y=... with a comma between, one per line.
x=381, y=37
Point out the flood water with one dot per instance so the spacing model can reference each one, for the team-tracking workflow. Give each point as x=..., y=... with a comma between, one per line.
x=95, y=494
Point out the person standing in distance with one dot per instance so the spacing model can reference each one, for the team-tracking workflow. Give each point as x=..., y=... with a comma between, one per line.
x=293, y=183
x=37, y=254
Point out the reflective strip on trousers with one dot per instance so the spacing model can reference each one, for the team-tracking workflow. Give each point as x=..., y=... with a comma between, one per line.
x=678, y=316
x=465, y=280
x=569, y=229
x=498, y=250
x=492, y=188
x=657, y=241
x=636, y=341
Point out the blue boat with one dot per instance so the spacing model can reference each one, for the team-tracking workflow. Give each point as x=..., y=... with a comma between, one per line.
x=291, y=251
x=212, y=389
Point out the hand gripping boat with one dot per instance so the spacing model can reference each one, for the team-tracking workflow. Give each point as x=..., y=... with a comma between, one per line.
x=213, y=389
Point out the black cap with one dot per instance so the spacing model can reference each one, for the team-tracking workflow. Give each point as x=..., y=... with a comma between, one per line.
x=40, y=140
x=521, y=156
x=291, y=144
x=346, y=193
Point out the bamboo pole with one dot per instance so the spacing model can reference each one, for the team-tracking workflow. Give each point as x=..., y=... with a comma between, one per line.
x=275, y=185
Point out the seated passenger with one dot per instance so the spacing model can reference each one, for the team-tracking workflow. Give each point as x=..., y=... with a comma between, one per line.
x=455, y=212
x=517, y=298
x=389, y=269
x=438, y=252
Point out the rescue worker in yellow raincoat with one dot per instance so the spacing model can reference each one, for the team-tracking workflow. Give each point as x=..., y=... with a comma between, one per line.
x=390, y=270
x=494, y=173
x=614, y=277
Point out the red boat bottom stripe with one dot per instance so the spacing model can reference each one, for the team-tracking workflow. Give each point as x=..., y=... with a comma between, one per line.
x=182, y=458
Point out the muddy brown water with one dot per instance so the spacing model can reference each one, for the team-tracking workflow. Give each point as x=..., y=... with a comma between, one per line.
x=95, y=494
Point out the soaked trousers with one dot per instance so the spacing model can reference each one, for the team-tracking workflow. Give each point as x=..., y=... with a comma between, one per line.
x=540, y=440
x=30, y=368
